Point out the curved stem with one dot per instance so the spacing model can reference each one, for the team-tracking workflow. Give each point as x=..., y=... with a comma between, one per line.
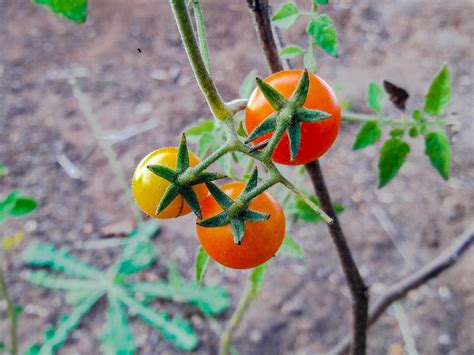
x=202, y=37
x=12, y=315
x=358, y=117
x=181, y=14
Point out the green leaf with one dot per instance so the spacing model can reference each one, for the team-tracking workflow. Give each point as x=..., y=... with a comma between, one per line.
x=397, y=132
x=417, y=116
x=438, y=149
x=241, y=130
x=309, y=60
x=291, y=248
x=212, y=300
x=202, y=262
x=2, y=345
x=301, y=211
x=117, y=337
x=290, y=52
x=74, y=10
x=439, y=93
x=368, y=134
x=256, y=278
x=67, y=324
x=324, y=35
x=177, y=330
x=413, y=132
x=59, y=259
x=321, y=2
x=392, y=156
x=3, y=170
x=23, y=206
x=45, y=279
x=375, y=96
x=248, y=84
x=286, y=15
x=138, y=253
x=203, y=126
x=206, y=143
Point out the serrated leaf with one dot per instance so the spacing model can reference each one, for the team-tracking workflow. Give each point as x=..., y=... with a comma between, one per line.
x=438, y=149
x=117, y=337
x=201, y=264
x=323, y=34
x=203, y=126
x=392, y=156
x=138, y=253
x=375, y=96
x=291, y=248
x=58, y=336
x=368, y=134
x=439, y=93
x=213, y=300
x=286, y=15
x=59, y=259
x=74, y=10
x=291, y=52
x=47, y=280
x=248, y=84
x=177, y=330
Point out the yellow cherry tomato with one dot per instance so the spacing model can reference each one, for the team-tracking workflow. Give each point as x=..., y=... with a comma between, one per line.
x=148, y=188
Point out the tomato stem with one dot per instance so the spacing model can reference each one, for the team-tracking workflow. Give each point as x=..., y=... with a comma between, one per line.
x=11, y=311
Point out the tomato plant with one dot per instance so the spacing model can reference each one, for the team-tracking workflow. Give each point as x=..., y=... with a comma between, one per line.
x=260, y=240
x=316, y=137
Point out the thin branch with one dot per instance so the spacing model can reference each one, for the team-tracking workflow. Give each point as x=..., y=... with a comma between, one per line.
x=399, y=290
x=260, y=11
x=201, y=33
x=181, y=14
x=11, y=312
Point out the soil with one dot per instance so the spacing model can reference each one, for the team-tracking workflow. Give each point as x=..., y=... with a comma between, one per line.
x=304, y=307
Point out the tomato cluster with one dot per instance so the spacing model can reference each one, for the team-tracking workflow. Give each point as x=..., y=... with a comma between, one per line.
x=261, y=238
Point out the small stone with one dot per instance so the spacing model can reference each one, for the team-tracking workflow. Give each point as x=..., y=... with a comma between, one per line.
x=255, y=336
x=30, y=225
x=159, y=74
x=444, y=339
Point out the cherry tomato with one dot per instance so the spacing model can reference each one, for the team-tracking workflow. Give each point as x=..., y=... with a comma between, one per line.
x=261, y=239
x=316, y=137
x=148, y=188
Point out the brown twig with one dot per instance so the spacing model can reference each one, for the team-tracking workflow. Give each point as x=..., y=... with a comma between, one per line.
x=422, y=276
x=260, y=10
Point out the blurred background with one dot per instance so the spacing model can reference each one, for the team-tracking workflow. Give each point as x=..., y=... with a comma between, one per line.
x=145, y=99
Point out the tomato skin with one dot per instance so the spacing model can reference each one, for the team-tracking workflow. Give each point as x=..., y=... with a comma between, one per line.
x=148, y=188
x=261, y=239
x=316, y=137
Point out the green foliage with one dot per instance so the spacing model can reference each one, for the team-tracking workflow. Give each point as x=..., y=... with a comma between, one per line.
x=439, y=93
x=368, y=134
x=85, y=285
x=286, y=15
x=375, y=96
x=323, y=34
x=321, y=2
x=202, y=262
x=392, y=156
x=256, y=278
x=248, y=84
x=309, y=59
x=16, y=205
x=300, y=211
x=73, y=10
x=438, y=149
x=291, y=248
x=291, y=52
x=3, y=170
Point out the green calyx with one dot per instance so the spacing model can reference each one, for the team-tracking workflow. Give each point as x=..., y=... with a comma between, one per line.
x=181, y=180
x=289, y=114
x=235, y=213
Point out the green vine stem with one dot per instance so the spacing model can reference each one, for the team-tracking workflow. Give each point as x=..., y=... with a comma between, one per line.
x=86, y=109
x=181, y=14
x=201, y=33
x=401, y=123
x=11, y=312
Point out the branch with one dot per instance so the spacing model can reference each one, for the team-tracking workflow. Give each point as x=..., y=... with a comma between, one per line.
x=260, y=11
x=399, y=290
x=181, y=14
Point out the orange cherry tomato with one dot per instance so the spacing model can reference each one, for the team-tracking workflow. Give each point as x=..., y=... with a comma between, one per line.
x=261, y=239
x=316, y=137
x=148, y=188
